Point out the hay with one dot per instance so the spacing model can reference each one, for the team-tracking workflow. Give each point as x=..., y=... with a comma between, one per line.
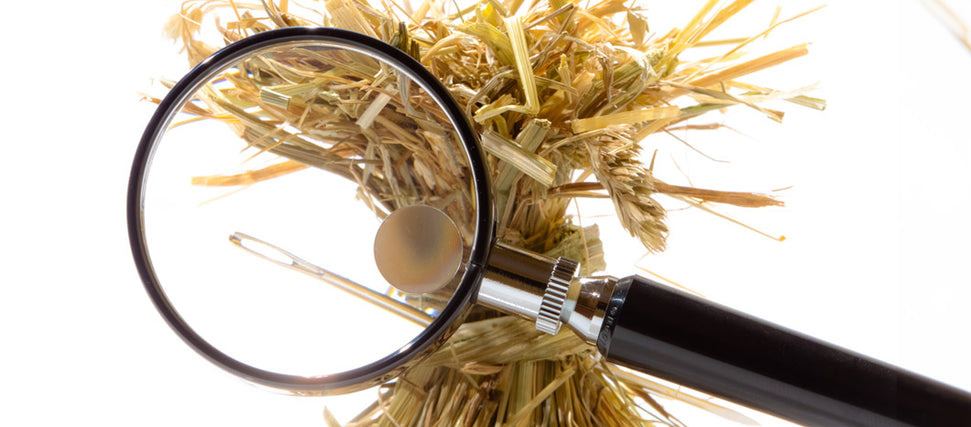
x=563, y=95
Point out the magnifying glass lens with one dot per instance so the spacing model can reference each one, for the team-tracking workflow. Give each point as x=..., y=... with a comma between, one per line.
x=266, y=187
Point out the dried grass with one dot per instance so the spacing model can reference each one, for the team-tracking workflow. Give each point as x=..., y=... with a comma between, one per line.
x=535, y=379
x=950, y=19
x=563, y=96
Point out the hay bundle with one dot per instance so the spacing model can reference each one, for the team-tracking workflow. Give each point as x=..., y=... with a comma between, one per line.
x=563, y=95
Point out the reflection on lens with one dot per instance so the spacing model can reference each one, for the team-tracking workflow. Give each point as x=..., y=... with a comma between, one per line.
x=264, y=194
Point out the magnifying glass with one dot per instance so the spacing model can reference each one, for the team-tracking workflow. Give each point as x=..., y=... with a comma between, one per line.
x=342, y=160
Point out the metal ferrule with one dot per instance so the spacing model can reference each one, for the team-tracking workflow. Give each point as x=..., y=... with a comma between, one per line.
x=586, y=304
x=515, y=281
x=544, y=290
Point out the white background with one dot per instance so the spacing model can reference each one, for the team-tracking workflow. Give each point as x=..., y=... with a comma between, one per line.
x=876, y=256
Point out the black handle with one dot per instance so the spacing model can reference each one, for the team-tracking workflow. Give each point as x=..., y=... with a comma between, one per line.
x=686, y=339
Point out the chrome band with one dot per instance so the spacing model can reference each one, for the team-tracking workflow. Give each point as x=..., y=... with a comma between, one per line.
x=544, y=290
x=514, y=281
x=585, y=308
x=548, y=318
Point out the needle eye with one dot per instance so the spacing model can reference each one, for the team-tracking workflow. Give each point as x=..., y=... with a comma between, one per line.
x=300, y=144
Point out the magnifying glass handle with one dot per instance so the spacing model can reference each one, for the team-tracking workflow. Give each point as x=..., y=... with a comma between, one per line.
x=683, y=338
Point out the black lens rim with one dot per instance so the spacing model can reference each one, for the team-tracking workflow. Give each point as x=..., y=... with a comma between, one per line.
x=434, y=335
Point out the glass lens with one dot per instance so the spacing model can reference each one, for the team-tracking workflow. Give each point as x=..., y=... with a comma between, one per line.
x=265, y=191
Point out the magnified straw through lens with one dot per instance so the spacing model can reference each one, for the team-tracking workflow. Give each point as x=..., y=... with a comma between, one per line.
x=303, y=145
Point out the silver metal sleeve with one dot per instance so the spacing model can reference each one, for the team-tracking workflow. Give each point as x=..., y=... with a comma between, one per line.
x=544, y=290
x=586, y=304
x=515, y=281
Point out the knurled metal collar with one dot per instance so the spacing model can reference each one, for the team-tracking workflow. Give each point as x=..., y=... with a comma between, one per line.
x=548, y=320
